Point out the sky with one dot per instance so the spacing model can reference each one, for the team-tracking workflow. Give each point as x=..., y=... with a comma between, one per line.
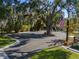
x=25, y=0
x=22, y=1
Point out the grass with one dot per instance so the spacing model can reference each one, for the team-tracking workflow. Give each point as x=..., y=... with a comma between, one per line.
x=4, y=41
x=55, y=53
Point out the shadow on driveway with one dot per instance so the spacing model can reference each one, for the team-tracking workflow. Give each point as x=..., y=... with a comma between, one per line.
x=21, y=55
x=24, y=38
x=27, y=36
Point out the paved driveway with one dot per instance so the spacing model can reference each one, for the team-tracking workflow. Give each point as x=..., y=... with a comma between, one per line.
x=3, y=55
x=30, y=43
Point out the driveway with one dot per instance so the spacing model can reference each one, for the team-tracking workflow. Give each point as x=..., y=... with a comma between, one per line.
x=31, y=42
x=3, y=55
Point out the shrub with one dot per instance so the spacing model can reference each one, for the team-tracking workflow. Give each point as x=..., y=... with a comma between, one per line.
x=75, y=47
x=17, y=25
x=9, y=26
x=25, y=27
x=37, y=26
x=13, y=25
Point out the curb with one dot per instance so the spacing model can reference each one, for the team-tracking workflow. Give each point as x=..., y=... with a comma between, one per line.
x=70, y=49
x=17, y=42
x=4, y=55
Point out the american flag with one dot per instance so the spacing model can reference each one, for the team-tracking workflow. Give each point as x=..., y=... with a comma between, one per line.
x=61, y=23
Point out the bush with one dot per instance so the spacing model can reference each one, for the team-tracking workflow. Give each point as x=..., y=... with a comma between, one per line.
x=25, y=28
x=37, y=26
x=17, y=26
x=13, y=25
x=75, y=47
x=9, y=26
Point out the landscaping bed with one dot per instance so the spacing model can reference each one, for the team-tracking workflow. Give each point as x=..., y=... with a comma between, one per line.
x=4, y=41
x=55, y=53
x=76, y=46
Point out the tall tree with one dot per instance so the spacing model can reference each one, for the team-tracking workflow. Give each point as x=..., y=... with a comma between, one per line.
x=43, y=6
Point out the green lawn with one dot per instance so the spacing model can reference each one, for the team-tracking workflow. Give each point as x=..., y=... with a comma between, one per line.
x=4, y=41
x=55, y=53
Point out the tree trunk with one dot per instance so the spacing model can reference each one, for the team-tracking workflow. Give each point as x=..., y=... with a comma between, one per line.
x=49, y=24
x=49, y=29
x=67, y=33
x=49, y=19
